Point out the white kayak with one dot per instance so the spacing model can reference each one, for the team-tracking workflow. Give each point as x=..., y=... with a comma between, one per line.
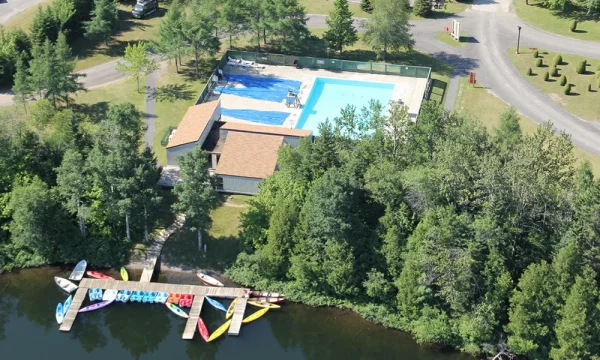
x=79, y=271
x=110, y=295
x=65, y=284
x=209, y=280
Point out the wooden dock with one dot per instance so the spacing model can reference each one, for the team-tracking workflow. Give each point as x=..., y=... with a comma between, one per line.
x=238, y=316
x=197, y=291
x=190, y=326
x=154, y=252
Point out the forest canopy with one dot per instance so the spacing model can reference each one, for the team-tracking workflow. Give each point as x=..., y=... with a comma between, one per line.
x=480, y=241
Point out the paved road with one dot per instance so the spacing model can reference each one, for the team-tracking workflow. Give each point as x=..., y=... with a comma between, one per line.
x=8, y=8
x=150, y=102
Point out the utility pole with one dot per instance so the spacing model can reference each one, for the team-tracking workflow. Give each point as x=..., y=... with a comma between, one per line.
x=518, y=39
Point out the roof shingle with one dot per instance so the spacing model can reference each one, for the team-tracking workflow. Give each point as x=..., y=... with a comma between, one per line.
x=193, y=124
x=249, y=155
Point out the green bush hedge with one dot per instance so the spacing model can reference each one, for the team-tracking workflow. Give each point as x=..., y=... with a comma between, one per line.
x=580, y=67
x=590, y=87
x=529, y=72
x=553, y=71
x=567, y=89
x=557, y=60
x=535, y=54
x=563, y=80
x=573, y=25
x=539, y=62
x=546, y=76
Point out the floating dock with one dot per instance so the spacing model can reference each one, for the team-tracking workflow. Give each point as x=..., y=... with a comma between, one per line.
x=199, y=293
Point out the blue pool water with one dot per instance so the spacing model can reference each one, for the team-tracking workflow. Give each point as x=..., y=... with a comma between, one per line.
x=328, y=96
x=259, y=88
x=262, y=117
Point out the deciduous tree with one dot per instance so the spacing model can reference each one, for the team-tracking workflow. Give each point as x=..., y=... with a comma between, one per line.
x=138, y=63
x=388, y=29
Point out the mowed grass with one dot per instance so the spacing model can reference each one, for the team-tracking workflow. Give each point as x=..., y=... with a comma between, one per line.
x=326, y=6
x=22, y=20
x=449, y=40
x=581, y=102
x=221, y=240
x=558, y=22
x=481, y=104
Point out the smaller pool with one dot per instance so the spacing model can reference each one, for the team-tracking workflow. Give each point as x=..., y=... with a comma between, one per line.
x=328, y=96
x=259, y=88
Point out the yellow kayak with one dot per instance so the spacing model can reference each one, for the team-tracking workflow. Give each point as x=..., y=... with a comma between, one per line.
x=219, y=331
x=264, y=304
x=255, y=316
x=124, y=274
x=229, y=312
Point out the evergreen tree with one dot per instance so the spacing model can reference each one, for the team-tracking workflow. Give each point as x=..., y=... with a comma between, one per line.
x=509, y=133
x=289, y=21
x=366, y=6
x=22, y=85
x=67, y=79
x=422, y=8
x=340, y=31
x=170, y=34
x=137, y=62
x=196, y=194
x=147, y=175
x=105, y=17
x=62, y=11
x=43, y=26
x=73, y=184
x=198, y=32
x=388, y=29
x=234, y=16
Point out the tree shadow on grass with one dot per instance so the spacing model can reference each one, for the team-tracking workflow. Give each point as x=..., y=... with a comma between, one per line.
x=173, y=92
x=96, y=112
x=205, y=67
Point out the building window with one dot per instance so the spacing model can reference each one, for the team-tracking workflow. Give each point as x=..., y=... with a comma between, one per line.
x=219, y=183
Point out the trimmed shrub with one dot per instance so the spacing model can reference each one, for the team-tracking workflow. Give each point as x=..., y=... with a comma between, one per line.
x=553, y=71
x=535, y=54
x=567, y=89
x=546, y=76
x=557, y=60
x=590, y=87
x=529, y=72
x=573, y=25
x=580, y=67
x=539, y=62
x=563, y=80
x=598, y=74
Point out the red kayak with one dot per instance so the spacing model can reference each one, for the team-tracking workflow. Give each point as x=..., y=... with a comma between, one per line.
x=98, y=275
x=203, y=330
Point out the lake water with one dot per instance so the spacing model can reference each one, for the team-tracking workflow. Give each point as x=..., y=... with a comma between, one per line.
x=28, y=330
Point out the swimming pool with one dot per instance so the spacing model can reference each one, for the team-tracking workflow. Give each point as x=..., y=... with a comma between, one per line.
x=328, y=96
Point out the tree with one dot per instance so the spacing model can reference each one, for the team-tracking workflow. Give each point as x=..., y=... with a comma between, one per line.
x=289, y=21
x=196, y=194
x=198, y=32
x=422, y=8
x=22, y=86
x=62, y=11
x=43, y=26
x=137, y=62
x=388, y=28
x=73, y=184
x=366, y=6
x=105, y=17
x=67, y=80
x=340, y=31
x=170, y=34
x=578, y=329
x=147, y=175
x=509, y=133
x=234, y=16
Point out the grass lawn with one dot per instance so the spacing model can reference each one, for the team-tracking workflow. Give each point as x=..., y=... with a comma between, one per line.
x=557, y=22
x=23, y=19
x=326, y=6
x=581, y=102
x=449, y=40
x=222, y=242
x=484, y=106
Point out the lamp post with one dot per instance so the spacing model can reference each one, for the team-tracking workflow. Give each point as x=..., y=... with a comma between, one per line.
x=518, y=39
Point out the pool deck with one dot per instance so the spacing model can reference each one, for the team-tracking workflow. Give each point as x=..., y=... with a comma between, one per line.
x=407, y=89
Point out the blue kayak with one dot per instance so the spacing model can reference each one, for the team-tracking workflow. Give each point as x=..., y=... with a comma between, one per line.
x=67, y=304
x=59, y=313
x=216, y=304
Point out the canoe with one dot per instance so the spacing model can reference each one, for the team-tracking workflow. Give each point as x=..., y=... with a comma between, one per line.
x=98, y=275
x=65, y=284
x=219, y=331
x=161, y=297
x=255, y=293
x=230, y=309
x=216, y=304
x=124, y=274
x=110, y=295
x=255, y=316
x=209, y=280
x=67, y=304
x=203, y=330
x=124, y=295
x=60, y=315
x=264, y=304
x=96, y=306
x=177, y=310
x=267, y=299
x=78, y=271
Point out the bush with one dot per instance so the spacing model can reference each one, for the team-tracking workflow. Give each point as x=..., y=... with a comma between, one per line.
x=366, y=6
x=557, y=60
x=553, y=71
x=590, y=87
x=567, y=89
x=580, y=67
x=546, y=76
x=422, y=8
x=539, y=62
x=573, y=25
x=598, y=74
x=529, y=72
x=535, y=54
x=563, y=80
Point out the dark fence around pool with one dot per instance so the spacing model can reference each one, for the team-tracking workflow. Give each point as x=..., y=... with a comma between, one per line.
x=316, y=63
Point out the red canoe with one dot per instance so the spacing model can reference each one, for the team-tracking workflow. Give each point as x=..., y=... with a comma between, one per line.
x=203, y=330
x=98, y=275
